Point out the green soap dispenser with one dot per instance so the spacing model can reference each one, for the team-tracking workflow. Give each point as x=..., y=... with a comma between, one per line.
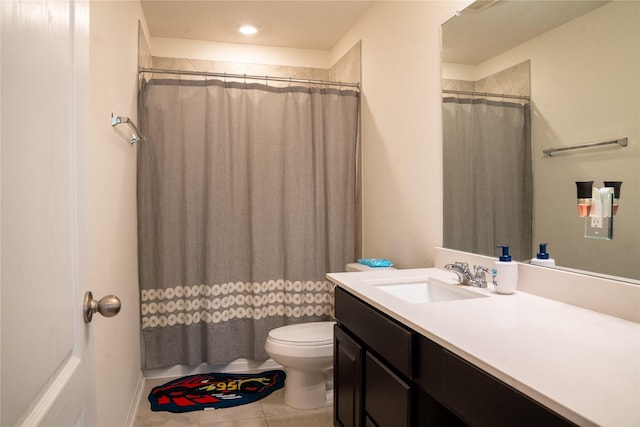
x=542, y=258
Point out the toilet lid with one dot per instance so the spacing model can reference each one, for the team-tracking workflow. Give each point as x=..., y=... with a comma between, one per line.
x=312, y=333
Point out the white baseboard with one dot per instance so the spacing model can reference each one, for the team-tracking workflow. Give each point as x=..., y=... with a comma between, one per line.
x=237, y=366
x=133, y=410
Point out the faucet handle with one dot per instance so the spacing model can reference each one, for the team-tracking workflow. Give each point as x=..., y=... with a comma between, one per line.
x=458, y=265
x=478, y=269
x=479, y=278
x=462, y=271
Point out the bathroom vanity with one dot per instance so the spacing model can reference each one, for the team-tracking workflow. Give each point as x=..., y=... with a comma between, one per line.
x=473, y=357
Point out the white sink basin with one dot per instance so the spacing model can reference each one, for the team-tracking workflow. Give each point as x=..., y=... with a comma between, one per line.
x=422, y=291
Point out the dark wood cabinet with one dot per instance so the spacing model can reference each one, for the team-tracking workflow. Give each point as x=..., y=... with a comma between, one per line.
x=387, y=375
x=483, y=400
x=474, y=396
x=347, y=387
x=380, y=348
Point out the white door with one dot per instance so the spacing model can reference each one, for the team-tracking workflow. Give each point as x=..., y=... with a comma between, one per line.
x=47, y=372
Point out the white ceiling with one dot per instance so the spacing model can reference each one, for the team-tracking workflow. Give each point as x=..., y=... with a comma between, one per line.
x=309, y=24
x=488, y=27
x=293, y=24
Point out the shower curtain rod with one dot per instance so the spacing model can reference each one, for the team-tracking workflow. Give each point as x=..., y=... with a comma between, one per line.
x=486, y=94
x=246, y=76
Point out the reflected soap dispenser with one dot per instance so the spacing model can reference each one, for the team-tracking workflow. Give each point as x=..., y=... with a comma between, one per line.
x=542, y=258
x=505, y=273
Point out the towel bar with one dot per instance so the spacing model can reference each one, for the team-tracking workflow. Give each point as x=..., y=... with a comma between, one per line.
x=622, y=142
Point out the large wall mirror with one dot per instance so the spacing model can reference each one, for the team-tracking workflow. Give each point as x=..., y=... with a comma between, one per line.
x=570, y=73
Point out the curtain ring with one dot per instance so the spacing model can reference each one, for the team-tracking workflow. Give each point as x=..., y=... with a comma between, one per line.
x=245, y=79
x=266, y=79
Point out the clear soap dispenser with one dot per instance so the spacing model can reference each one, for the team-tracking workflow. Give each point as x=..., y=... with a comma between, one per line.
x=505, y=273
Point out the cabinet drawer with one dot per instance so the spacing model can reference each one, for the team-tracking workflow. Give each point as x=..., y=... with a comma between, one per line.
x=387, y=338
x=473, y=395
x=482, y=400
x=387, y=397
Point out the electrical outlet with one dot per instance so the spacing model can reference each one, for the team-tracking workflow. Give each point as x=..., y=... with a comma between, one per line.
x=596, y=222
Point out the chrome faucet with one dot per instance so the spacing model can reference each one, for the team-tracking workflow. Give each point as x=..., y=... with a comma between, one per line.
x=465, y=276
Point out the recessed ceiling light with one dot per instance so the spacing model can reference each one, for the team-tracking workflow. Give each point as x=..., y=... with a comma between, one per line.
x=248, y=29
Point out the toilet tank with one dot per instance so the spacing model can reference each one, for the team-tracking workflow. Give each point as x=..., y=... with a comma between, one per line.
x=354, y=266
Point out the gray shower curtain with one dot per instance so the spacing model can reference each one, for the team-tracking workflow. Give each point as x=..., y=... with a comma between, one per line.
x=246, y=200
x=487, y=176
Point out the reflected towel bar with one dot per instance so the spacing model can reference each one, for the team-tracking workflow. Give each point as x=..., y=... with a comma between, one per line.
x=135, y=137
x=621, y=142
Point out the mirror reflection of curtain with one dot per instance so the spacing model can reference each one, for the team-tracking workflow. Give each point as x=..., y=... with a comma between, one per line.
x=246, y=198
x=488, y=190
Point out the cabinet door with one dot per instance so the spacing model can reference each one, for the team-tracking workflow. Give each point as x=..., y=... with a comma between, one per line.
x=347, y=371
x=387, y=397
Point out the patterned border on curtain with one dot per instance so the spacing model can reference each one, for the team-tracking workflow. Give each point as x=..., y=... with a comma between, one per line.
x=186, y=305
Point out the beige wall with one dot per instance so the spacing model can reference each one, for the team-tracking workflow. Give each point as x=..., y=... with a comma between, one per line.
x=235, y=52
x=401, y=128
x=112, y=211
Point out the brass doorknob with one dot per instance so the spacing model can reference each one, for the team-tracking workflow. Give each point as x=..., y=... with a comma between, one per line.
x=108, y=306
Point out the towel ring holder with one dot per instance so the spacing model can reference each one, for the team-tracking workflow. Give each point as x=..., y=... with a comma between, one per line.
x=135, y=137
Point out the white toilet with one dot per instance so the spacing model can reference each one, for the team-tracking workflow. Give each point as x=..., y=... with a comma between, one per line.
x=306, y=352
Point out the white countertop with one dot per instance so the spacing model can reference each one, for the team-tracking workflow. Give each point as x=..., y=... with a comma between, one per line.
x=582, y=364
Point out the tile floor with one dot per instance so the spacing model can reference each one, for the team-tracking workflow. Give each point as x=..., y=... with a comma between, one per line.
x=268, y=412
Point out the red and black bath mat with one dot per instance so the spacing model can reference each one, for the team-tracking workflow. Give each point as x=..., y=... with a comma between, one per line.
x=215, y=390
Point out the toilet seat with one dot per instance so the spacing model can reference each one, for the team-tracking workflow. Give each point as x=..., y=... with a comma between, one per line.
x=310, y=334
